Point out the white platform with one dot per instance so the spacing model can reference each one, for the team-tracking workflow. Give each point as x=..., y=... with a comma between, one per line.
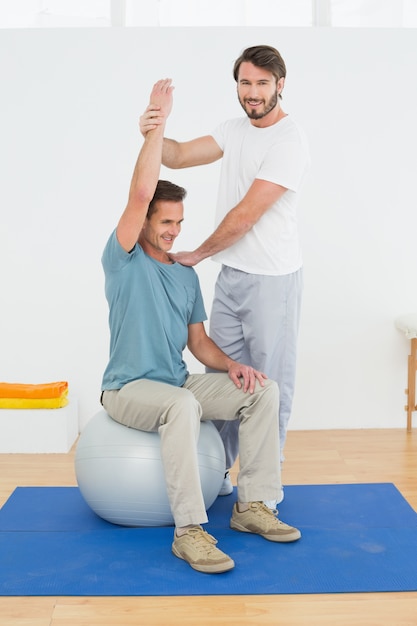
x=39, y=430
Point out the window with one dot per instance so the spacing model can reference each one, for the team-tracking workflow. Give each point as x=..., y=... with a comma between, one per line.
x=134, y=13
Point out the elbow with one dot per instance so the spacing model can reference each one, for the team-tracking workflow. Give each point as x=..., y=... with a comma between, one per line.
x=173, y=163
x=242, y=227
x=191, y=348
x=144, y=195
x=195, y=349
x=241, y=221
x=245, y=226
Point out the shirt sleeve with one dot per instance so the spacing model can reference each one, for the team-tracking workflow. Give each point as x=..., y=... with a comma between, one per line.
x=284, y=164
x=218, y=135
x=114, y=256
x=198, y=313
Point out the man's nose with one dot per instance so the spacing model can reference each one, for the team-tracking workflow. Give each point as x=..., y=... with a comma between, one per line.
x=253, y=91
x=174, y=230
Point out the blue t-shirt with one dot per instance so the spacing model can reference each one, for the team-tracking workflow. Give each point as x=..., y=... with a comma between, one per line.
x=150, y=307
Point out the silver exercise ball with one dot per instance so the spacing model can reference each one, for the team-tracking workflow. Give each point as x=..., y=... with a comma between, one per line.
x=120, y=475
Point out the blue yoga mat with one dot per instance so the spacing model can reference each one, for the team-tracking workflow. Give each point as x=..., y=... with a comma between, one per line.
x=355, y=538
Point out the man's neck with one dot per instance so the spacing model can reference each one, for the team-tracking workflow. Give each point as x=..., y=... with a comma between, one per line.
x=158, y=255
x=273, y=117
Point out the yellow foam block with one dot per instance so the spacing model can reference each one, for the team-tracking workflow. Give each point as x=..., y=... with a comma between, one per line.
x=34, y=403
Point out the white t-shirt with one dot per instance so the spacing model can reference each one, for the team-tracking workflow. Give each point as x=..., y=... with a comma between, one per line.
x=278, y=154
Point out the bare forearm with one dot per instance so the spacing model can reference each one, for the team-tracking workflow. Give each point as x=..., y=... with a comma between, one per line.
x=232, y=228
x=229, y=231
x=210, y=355
x=200, y=151
x=148, y=164
x=171, y=154
x=240, y=219
x=260, y=197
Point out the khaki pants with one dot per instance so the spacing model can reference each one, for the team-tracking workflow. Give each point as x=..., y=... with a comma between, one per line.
x=176, y=412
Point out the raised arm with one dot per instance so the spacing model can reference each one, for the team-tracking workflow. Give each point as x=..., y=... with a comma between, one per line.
x=176, y=154
x=146, y=173
x=200, y=151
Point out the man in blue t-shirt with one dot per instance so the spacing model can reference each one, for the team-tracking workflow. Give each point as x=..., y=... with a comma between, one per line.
x=156, y=310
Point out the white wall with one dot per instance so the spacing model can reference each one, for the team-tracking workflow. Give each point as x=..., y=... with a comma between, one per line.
x=70, y=102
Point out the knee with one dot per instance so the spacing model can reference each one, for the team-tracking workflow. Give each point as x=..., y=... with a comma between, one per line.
x=270, y=392
x=183, y=407
x=184, y=398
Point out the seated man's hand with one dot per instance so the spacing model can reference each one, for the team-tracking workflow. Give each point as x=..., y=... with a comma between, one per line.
x=245, y=377
x=160, y=106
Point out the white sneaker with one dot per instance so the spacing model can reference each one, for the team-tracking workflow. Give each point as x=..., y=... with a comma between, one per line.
x=227, y=488
x=272, y=504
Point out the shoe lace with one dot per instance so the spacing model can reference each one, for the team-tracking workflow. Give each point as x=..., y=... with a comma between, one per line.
x=266, y=512
x=202, y=539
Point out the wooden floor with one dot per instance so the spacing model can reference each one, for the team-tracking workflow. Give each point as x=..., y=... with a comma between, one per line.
x=339, y=456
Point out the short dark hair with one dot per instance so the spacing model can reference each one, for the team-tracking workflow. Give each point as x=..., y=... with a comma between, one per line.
x=266, y=57
x=166, y=191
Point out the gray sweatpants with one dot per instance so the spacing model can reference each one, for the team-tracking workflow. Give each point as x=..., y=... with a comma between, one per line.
x=176, y=412
x=255, y=320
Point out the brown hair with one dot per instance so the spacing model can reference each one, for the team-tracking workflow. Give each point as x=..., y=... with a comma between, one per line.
x=166, y=191
x=266, y=57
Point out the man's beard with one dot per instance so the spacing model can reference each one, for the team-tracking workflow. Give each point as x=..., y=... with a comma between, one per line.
x=257, y=115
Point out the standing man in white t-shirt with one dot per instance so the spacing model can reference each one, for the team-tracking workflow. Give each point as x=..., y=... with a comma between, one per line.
x=256, y=308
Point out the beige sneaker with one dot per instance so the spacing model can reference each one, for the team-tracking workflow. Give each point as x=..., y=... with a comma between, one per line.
x=261, y=520
x=198, y=548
